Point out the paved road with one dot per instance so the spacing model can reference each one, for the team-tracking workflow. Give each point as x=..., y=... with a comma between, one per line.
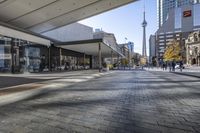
x=120, y=102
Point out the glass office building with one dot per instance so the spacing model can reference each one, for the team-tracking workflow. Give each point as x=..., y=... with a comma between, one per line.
x=164, y=6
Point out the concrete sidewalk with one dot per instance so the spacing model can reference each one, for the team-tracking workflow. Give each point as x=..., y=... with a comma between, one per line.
x=120, y=102
x=192, y=74
x=18, y=87
x=10, y=80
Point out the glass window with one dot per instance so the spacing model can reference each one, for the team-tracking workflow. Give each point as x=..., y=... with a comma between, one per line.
x=196, y=15
x=169, y=36
x=169, y=40
x=178, y=16
x=34, y=59
x=161, y=36
x=161, y=43
x=5, y=54
x=1, y=55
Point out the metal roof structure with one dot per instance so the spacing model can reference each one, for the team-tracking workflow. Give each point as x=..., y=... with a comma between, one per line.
x=91, y=47
x=40, y=16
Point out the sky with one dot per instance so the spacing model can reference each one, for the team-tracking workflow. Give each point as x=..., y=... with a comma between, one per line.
x=125, y=22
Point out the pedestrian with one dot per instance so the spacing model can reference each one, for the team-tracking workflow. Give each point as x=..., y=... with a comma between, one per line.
x=163, y=66
x=166, y=64
x=173, y=66
x=181, y=66
x=170, y=66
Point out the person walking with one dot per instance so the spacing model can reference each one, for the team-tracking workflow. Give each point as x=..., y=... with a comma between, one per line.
x=173, y=66
x=181, y=66
x=166, y=65
x=163, y=66
x=170, y=66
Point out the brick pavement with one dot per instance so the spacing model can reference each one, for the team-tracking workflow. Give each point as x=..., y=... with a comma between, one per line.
x=121, y=102
x=9, y=80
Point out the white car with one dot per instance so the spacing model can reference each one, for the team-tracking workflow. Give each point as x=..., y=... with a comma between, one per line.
x=178, y=66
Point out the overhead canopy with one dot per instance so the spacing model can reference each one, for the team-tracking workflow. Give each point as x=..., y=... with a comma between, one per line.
x=5, y=31
x=91, y=47
x=41, y=16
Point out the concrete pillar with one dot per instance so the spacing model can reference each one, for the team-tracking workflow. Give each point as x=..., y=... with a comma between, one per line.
x=129, y=61
x=49, y=54
x=12, y=55
x=100, y=63
x=91, y=66
x=60, y=54
x=111, y=59
x=83, y=60
x=118, y=62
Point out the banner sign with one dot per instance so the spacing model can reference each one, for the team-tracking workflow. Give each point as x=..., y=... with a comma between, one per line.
x=187, y=13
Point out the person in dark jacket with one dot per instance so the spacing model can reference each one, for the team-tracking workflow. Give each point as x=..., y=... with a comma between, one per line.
x=173, y=66
x=181, y=66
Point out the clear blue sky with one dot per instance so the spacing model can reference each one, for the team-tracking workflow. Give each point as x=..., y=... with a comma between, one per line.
x=126, y=22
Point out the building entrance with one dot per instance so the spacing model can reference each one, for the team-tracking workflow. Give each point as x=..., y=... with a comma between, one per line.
x=17, y=54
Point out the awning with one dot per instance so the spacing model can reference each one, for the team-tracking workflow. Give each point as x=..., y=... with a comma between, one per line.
x=5, y=31
x=91, y=47
x=40, y=16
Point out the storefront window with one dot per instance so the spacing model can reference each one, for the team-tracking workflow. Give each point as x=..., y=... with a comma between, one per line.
x=5, y=54
x=33, y=59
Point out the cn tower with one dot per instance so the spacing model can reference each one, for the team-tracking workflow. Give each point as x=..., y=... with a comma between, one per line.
x=144, y=24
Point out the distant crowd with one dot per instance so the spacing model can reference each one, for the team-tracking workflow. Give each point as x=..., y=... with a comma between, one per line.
x=171, y=66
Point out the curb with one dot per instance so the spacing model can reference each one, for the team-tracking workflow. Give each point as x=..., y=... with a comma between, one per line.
x=186, y=74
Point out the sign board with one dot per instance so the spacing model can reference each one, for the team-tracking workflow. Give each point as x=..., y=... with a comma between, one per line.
x=5, y=56
x=187, y=13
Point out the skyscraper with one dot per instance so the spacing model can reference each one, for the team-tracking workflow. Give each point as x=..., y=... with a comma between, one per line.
x=164, y=6
x=144, y=24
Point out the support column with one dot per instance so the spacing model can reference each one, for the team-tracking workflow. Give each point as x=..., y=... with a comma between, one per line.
x=49, y=54
x=83, y=60
x=100, y=63
x=129, y=60
x=12, y=56
x=60, y=52
x=91, y=66
x=111, y=59
x=118, y=62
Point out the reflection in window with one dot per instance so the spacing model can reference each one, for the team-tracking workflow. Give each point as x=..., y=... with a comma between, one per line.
x=1, y=56
x=196, y=15
x=178, y=17
x=5, y=54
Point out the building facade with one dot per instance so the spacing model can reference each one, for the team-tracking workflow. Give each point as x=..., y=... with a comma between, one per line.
x=72, y=32
x=163, y=40
x=128, y=52
x=108, y=38
x=193, y=48
x=152, y=48
x=22, y=52
x=164, y=6
x=180, y=23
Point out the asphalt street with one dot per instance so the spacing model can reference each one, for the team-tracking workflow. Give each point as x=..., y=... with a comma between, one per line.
x=117, y=102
